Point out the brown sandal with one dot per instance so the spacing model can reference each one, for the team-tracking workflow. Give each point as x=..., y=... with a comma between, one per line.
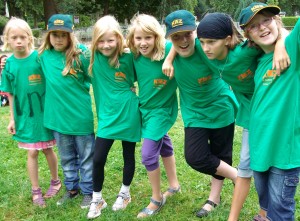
x=51, y=192
x=39, y=201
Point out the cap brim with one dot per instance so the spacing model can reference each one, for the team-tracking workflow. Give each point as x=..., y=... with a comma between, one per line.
x=60, y=29
x=274, y=9
x=180, y=29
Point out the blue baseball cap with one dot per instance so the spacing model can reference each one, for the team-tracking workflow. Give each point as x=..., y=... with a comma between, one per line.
x=249, y=12
x=60, y=22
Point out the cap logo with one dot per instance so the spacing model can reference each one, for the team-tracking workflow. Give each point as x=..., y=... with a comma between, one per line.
x=59, y=22
x=177, y=22
x=256, y=8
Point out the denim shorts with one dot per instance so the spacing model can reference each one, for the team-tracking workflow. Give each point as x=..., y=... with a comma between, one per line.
x=244, y=166
x=276, y=190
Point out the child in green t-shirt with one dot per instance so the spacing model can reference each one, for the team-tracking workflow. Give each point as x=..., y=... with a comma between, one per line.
x=158, y=106
x=117, y=107
x=68, y=109
x=274, y=130
x=24, y=81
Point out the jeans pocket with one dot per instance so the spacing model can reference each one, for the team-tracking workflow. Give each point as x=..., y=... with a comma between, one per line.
x=289, y=188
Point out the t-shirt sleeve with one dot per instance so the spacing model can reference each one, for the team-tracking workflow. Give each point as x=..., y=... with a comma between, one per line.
x=6, y=79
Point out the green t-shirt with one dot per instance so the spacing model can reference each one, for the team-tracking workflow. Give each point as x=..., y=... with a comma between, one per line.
x=117, y=106
x=237, y=70
x=25, y=80
x=68, y=108
x=274, y=134
x=205, y=99
x=158, y=99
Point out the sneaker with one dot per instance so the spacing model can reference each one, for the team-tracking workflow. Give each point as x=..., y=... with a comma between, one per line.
x=86, y=201
x=68, y=196
x=122, y=201
x=95, y=208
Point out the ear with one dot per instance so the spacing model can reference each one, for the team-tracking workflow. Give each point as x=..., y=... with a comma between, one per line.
x=228, y=40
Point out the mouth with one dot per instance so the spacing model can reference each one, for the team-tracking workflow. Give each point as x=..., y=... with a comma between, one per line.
x=265, y=34
x=184, y=47
x=144, y=49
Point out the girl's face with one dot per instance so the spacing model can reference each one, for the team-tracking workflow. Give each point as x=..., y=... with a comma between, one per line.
x=184, y=43
x=215, y=48
x=108, y=44
x=263, y=31
x=19, y=41
x=59, y=40
x=144, y=42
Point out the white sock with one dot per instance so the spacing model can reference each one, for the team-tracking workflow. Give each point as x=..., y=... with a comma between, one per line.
x=97, y=196
x=124, y=189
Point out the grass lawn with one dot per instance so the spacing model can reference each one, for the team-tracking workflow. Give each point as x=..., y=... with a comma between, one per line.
x=15, y=188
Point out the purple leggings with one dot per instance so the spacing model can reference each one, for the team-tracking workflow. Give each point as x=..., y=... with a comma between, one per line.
x=151, y=150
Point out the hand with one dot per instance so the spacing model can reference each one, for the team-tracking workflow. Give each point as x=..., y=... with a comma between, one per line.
x=11, y=127
x=3, y=61
x=133, y=89
x=281, y=59
x=168, y=69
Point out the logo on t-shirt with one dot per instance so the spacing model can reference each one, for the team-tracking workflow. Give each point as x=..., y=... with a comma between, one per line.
x=159, y=83
x=120, y=76
x=204, y=80
x=269, y=77
x=246, y=75
x=35, y=79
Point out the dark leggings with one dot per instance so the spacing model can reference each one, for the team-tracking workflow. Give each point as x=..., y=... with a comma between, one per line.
x=102, y=147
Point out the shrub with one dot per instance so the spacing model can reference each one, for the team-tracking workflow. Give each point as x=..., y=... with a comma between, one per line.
x=3, y=21
x=289, y=21
x=84, y=21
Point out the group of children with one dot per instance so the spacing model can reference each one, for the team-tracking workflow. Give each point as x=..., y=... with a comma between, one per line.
x=51, y=105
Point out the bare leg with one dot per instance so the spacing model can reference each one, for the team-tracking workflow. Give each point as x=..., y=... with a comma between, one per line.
x=53, y=166
x=32, y=167
x=154, y=178
x=241, y=190
x=227, y=171
x=215, y=192
x=170, y=166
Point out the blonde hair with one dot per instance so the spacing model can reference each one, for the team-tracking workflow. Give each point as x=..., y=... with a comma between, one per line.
x=106, y=24
x=236, y=36
x=72, y=52
x=149, y=25
x=267, y=14
x=20, y=24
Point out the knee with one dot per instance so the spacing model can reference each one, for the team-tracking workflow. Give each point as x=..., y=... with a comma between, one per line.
x=33, y=153
x=150, y=162
x=200, y=164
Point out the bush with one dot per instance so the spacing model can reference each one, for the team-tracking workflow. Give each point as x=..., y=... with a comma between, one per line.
x=289, y=21
x=3, y=21
x=36, y=33
x=84, y=21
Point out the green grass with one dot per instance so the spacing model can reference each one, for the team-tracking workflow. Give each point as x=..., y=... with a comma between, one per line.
x=15, y=195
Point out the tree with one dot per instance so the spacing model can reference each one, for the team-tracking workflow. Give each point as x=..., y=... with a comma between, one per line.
x=50, y=8
x=242, y=4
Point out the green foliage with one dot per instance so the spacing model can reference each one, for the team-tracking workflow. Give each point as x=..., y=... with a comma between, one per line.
x=289, y=21
x=272, y=2
x=36, y=33
x=226, y=6
x=242, y=4
x=3, y=21
x=85, y=21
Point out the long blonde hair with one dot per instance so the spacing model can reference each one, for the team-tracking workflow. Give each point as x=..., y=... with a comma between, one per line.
x=72, y=52
x=21, y=24
x=106, y=24
x=149, y=25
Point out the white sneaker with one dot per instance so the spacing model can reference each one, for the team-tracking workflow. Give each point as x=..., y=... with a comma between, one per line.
x=95, y=208
x=123, y=199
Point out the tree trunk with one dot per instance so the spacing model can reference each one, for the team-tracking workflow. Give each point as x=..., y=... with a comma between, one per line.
x=49, y=10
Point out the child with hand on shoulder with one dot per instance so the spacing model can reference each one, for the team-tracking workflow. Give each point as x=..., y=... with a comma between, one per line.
x=112, y=74
x=24, y=81
x=68, y=109
x=158, y=106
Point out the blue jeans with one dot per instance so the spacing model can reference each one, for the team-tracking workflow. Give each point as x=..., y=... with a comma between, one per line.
x=76, y=158
x=276, y=190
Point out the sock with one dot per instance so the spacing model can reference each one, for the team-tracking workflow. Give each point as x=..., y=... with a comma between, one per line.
x=97, y=196
x=124, y=189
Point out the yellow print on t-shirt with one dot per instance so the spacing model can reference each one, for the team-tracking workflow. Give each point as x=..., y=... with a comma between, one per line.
x=246, y=75
x=269, y=77
x=159, y=83
x=120, y=76
x=204, y=80
x=35, y=79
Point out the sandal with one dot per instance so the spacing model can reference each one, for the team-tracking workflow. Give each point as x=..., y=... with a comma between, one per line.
x=171, y=191
x=149, y=212
x=203, y=212
x=39, y=201
x=52, y=191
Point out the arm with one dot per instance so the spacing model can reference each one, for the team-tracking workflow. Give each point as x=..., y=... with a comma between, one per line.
x=281, y=59
x=167, y=67
x=11, y=126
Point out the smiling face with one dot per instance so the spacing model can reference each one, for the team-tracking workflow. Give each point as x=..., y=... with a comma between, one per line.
x=215, y=48
x=107, y=44
x=184, y=43
x=263, y=31
x=144, y=42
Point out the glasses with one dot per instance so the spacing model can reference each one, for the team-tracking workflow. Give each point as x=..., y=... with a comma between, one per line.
x=255, y=27
x=180, y=36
